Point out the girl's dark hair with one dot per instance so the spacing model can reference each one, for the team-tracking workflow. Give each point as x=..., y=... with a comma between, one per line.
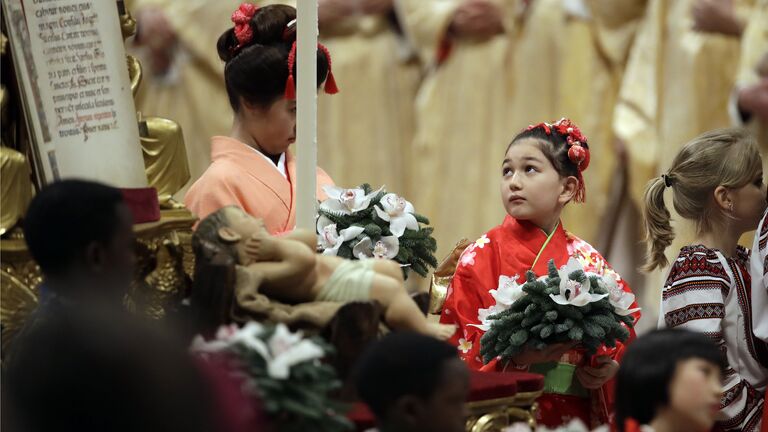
x=647, y=369
x=555, y=147
x=257, y=72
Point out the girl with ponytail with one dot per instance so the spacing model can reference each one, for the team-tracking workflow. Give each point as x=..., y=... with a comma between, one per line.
x=716, y=182
x=251, y=167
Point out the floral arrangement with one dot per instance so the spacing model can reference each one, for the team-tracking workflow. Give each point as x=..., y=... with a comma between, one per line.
x=285, y=371
x=575, y=425
x=362, y=223
x=566, y=305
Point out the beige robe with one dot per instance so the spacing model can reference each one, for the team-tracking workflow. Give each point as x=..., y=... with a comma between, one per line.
x=754, y=49
x=193, y=92
x=594, y=48
x=365, y=131
x=676, y=86
x=462, y=126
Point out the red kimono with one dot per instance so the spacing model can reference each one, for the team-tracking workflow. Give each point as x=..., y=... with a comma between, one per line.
x=511, y=249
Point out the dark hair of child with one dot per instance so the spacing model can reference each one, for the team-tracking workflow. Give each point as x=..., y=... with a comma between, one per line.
x=648, y=367
x=400, y=364
x=555, y=147
x=65, y=217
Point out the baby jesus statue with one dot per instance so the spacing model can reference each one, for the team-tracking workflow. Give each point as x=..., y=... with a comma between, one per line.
x=287, y=269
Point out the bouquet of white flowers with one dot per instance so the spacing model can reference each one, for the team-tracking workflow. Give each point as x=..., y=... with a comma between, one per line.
x=362, y=223
x=566, y=305
x=285, y=370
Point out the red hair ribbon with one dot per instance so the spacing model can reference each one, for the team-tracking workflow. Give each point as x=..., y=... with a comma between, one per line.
x=330, y=86
x=242, y=19
x=578, y=154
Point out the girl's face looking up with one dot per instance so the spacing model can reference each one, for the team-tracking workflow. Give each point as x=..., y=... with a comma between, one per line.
x=531, y=188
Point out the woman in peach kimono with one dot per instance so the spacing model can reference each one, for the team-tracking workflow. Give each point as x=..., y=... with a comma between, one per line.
x=252, y=167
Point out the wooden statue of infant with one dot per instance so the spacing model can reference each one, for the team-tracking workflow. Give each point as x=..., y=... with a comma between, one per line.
x=287, y=269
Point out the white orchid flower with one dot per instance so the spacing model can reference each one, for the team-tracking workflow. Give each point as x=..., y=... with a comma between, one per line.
x=288, y=349
x=508, y=292
x=398, y=212
x=347, y=201
x=283, y=350
x=574, y=292
x=386, y=248
x=483, y=314
x=228, y=336
x=619, y=299
x=330, y=239
x=248, y=336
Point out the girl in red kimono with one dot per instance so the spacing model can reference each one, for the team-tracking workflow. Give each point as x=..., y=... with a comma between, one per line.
x=541, y=173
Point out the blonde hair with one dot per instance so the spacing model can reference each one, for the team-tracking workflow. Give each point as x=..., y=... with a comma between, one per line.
x=722, y=157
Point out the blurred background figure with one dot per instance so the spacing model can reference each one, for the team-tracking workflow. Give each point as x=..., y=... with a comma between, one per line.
x=183, y=75
x=98, y=370
x=414, y=383
x=366, y=130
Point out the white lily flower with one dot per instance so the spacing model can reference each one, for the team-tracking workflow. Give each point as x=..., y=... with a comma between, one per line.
x=619, y=299
x=508, y=292
x=386, y=248
x=574, y=292
x=347, y=201
x=398, y=212
x=330, y=239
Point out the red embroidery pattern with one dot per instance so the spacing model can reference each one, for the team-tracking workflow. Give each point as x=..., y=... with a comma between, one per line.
x=694, y=312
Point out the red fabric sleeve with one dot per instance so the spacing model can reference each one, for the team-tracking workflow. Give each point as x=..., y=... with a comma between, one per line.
x=467, y=293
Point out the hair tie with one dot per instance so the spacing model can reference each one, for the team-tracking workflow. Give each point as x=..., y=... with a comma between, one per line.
x=242, y=19
x=668, y=180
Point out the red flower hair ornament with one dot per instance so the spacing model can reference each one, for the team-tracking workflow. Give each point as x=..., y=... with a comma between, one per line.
x=578, y=153
x=242, y=19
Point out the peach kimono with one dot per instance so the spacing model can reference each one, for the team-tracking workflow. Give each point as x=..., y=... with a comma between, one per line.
x=239, y=175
